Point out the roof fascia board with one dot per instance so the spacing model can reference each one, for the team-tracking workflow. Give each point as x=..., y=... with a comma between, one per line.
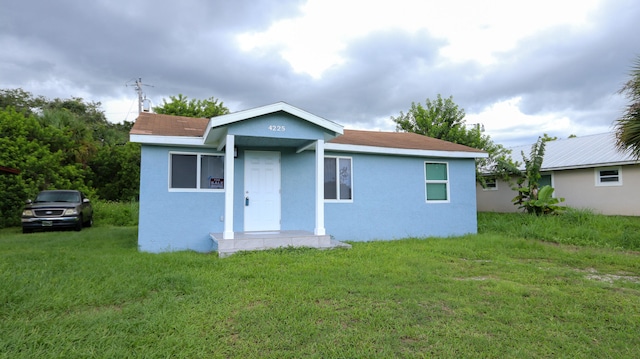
x=167, y=140
x=594, y=165
x=264, y=110
x=338, y=147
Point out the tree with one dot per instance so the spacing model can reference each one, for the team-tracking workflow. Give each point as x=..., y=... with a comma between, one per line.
x=116, y=172
x=22, y=101
x=628, y=126
x=530, y=197
x=62, y=144
x=181, y=106
x=23, y=146
x=443, y=119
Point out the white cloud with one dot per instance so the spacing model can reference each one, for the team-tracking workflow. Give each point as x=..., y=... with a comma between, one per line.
x=474, y=30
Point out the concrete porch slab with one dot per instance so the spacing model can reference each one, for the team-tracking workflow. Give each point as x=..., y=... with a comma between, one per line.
x=261, y=240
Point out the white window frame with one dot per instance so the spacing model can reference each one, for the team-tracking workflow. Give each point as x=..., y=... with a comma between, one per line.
x=338, y=200
x=551, y=176
x=495, y=184
x=198, y=172
x=598, y=176
x=447, y=182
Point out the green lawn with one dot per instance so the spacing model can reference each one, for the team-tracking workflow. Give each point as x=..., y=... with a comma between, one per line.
x=492, y=295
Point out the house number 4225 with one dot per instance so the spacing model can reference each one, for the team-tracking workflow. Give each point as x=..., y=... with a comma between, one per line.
x=278, y=128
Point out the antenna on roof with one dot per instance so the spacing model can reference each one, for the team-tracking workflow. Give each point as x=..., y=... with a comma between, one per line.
x=138, y=85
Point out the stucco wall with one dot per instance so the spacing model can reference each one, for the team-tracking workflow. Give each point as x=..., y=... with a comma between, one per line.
x=388, y=201
x=496, y=200
x=172, y=221
x=579, y=189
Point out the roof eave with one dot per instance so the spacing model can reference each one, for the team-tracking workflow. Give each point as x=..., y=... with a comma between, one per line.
x=338, y=147
x=224, y=120
x=592, y=165
x=167, y=140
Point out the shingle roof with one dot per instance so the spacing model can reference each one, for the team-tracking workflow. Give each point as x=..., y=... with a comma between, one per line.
x=169, y=125
x=404, y=140
x=578, y=152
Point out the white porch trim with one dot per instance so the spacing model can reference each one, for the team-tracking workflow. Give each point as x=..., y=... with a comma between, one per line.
x=320, y=230
x=229, y=179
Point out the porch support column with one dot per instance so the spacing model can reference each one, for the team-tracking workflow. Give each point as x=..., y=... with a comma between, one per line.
x=229, y=179
x=320, y=230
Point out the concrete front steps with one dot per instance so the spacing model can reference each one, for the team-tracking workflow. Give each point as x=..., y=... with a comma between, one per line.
x=261, y=240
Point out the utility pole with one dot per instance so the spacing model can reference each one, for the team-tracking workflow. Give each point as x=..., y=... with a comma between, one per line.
x=138, y=87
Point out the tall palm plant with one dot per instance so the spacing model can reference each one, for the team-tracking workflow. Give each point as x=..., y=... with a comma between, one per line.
x=628, y=126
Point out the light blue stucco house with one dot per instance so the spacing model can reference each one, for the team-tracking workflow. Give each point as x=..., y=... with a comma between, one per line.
x=278, y=176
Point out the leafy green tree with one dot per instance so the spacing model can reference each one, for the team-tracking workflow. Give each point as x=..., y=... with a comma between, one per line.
x=628, y=126
x=116, y=172
x=443, y=119
x=182, y=106
x=22, y=147
x=530, y=197
x=22, y=101
x=62, y=144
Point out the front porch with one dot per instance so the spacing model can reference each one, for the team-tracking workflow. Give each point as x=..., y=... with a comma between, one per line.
x=261, y=240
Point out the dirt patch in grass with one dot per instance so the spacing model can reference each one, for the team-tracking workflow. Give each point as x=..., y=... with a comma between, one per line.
x=593, y=274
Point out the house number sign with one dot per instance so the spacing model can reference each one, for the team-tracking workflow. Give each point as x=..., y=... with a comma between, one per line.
x=277, y=128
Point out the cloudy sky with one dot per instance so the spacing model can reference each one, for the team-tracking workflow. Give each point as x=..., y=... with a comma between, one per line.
x=521, y=68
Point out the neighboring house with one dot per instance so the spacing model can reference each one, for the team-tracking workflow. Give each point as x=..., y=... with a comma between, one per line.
x=588, y=172
x=279, y=176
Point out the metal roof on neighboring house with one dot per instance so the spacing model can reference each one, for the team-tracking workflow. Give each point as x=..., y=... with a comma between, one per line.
x=578, y=152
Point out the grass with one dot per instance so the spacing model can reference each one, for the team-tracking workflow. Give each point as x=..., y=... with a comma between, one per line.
x=575, y=227
x=495, y=294
x=115, y=213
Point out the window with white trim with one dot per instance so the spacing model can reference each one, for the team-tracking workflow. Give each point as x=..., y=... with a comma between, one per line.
x=436, y=182
x=490, y=184
x=545, y=180
x=196, y=171
x=338, y=181
x=609, y=176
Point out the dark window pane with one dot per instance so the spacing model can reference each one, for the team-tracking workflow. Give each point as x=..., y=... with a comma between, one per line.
x=545, y=180
x=609, y=179
x=183, y=171
x=330, y=187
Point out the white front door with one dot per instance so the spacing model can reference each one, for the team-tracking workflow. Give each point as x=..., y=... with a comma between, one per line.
x=261, y=191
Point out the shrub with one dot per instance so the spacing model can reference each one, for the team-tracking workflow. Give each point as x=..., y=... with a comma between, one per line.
x=115, y=213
